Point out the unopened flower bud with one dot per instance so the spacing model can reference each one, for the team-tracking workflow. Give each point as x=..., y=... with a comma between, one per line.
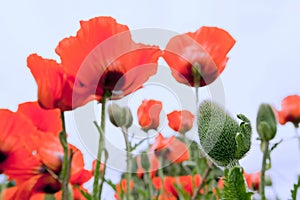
x=221, y=137
x=120, y=117
x=266, y=122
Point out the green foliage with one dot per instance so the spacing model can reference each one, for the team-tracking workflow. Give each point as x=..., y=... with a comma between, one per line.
x=295, y=189
x=266, y=122
x=234, y=185
x=221, y=137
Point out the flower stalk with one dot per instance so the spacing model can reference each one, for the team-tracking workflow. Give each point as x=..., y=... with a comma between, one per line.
x=67, y=160
x=128, y=163
x=101, y=148
x=265, y=146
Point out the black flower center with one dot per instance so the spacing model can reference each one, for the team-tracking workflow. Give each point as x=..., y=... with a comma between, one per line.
x=112, y=80
x=3, y=156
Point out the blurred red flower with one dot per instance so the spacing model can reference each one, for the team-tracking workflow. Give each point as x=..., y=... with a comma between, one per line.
x=154, y=165
x=170, y=185
x=253, y=180
x=148, y=114
x=181, y=121
x=198, y=58
x=290, y=110
x=121, y=188
x=172, y=148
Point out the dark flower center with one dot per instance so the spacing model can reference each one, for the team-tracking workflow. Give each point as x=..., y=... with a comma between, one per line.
x=3, y=156
x=52, y=188
x=112, y=80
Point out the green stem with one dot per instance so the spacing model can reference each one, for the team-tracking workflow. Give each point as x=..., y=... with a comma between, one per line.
x=197, y=95
x=204, y=179
x=101, y=147
x=67, y=159
x=128, y=163
x=263, y=169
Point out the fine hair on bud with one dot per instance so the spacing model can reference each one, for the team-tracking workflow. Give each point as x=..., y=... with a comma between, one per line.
x=222, y=138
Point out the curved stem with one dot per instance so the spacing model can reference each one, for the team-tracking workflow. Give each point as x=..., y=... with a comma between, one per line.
x=67, y=159
x=263, y=169
x=101, y=147
x=204, y=179
x=128, y=163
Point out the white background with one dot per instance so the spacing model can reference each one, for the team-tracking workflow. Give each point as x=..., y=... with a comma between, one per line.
x=264, y=64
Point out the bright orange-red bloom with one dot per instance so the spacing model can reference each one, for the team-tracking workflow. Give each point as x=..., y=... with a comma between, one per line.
x=172, y=148
x=148, y=114
x=198, y=58
x=290, y=110
x=103, y=57
x=253, y=180
x=187, y=184
x=55, y=86
x=31, y=153
x=121, y=188
x=181, y=121
x=154, y=165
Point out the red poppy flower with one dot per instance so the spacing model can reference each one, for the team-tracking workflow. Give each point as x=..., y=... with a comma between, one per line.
x=55, y=86
x=12, y=149
x=170, y=184
x=103, y=57
x=121, y=188
x=290, y=110
x=181, y=121
x=253, y=180
x=173, y=149
x=198, y=58
x=44, y=177
x=154, y=165
x=148, y=114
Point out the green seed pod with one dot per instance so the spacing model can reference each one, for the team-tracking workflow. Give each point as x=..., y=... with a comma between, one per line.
x=120, y=117
x=221, y=137
x=266, y=122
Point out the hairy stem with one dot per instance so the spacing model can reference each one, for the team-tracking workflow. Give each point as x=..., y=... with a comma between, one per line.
x=263, y=169
x=101, y=147
x=67, y=159
x=128, y=163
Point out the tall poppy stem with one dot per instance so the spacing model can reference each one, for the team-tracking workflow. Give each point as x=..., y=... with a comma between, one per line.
x=66, y=165
x=128, y=163
x=197, y=95
x=263, y=169
x=96, y=188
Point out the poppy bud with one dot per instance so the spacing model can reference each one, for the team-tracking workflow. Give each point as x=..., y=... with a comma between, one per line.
x=221, y=137
x=266, y=122
x=120, y=117
x=145, y=161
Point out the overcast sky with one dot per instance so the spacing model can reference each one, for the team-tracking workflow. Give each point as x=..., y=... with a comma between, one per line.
x=264, y=64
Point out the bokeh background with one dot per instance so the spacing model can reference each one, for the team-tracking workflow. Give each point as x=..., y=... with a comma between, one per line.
x=264, y=64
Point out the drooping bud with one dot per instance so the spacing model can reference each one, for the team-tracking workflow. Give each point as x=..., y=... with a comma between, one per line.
x=120, y=117
x=221, y=137
x=266, y=122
